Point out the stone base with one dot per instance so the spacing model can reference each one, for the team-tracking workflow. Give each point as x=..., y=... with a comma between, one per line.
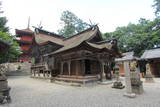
x=4, y=96
x=118, y=85
x=105, y=82
x=130, y=95
x=149, y=80
x=3, y=84
x=137, y=90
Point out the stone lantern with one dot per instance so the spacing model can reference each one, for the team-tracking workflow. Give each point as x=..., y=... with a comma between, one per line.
x=4, y=89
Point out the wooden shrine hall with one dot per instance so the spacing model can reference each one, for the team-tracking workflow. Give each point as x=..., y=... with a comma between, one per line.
x=82, y=58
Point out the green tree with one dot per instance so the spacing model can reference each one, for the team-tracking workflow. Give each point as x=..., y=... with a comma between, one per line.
x=137, y=37
x=157, y=7
x=3, y=22
x=14, y=49
x=71, y=24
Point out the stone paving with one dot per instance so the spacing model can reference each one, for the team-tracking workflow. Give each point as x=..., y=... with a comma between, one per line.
x=29, y=92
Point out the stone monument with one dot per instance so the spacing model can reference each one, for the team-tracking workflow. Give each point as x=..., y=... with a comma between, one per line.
x=136, y=83
x=128, y=86
x=132, y=78
x=149, y=76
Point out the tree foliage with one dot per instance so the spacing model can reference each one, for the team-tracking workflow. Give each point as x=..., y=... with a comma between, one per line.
x=71, y=24
x=14, y=49
x=137, y=37
x=3, y=22
x=157, y=7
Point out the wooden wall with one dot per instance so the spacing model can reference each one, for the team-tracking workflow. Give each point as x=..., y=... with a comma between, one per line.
x=76, y=68
x=95, y=67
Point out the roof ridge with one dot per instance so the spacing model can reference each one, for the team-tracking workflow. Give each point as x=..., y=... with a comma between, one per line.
x=50, y=33
x=88, y=29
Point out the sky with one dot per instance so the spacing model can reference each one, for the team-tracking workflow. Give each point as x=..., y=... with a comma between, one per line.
x=108, y=14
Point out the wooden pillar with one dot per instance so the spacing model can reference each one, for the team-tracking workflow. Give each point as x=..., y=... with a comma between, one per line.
x=47, y=73
x=103, y=73
x=43, y=73
x=103, y=77
x=39, y=73
x=69, y=67
x=62, y=68
x=83, y=66
x=109, y=70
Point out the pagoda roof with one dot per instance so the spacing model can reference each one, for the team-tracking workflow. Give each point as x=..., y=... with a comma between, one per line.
x=27, y=32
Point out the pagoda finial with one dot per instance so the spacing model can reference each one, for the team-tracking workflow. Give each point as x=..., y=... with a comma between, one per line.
x=28, y=22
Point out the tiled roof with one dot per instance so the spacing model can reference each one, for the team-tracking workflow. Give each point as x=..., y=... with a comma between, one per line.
x=127, y=57
x=151, y=54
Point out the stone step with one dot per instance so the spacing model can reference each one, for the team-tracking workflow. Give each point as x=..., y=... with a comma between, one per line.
x=76, y=82
x=78, y=77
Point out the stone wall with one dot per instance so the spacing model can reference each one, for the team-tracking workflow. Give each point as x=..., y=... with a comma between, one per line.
x=16, y=68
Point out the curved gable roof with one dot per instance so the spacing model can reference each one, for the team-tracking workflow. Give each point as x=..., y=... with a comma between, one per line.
x=41, y=38
x=76, y=40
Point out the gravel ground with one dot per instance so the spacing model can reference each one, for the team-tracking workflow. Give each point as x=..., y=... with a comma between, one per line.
x=29, y=92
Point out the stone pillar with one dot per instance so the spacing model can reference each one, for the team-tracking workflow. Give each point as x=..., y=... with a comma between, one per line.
x=138, y=71
x=127, y=77
x=128, y=81
x=31, y=72
x=69, y=67
x=61, y=68
x=34, y=74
